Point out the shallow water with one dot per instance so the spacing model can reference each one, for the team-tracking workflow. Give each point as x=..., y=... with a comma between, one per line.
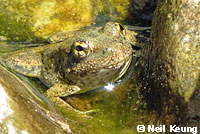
x=118, y=110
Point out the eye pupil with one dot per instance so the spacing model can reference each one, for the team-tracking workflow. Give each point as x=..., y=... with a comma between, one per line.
x=121, y=27
x=79, y=48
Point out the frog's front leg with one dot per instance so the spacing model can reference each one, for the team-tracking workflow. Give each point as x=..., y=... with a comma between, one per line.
x=62, y=90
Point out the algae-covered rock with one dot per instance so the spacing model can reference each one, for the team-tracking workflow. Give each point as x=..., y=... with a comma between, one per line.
x=172, y=66
x=121, y=7
x=26, y=20
x=35, y=20
x=176, y=45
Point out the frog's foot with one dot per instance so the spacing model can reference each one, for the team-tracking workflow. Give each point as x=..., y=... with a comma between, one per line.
x=60, y=90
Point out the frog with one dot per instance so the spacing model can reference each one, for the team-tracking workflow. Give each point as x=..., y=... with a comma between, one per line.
x=76, y=62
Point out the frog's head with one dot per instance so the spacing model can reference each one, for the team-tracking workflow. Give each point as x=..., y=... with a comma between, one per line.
x=97, y=61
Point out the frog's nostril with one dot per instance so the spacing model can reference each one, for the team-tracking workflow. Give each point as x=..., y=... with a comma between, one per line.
x=106, y=50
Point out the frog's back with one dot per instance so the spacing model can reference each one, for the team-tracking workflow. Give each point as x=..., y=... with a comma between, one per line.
x=26, y=61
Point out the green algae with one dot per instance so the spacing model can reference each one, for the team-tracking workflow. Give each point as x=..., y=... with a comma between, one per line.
x=35, y=20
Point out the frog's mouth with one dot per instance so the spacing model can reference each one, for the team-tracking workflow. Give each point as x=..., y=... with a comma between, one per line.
x=116, y=70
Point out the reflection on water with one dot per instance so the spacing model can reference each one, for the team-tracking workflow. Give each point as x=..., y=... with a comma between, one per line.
x=6, y=46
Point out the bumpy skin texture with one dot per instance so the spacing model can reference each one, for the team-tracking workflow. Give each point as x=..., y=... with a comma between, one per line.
x=76, y=62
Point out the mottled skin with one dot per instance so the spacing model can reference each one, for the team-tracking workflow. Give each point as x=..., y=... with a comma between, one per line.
x=76, y=62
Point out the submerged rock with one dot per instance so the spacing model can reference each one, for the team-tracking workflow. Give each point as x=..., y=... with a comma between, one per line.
x=33, y=20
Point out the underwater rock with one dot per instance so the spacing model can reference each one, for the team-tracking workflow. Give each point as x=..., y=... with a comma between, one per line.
x=34, y=20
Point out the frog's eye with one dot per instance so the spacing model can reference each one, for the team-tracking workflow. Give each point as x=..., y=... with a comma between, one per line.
x=81, y=49
x=120, y=29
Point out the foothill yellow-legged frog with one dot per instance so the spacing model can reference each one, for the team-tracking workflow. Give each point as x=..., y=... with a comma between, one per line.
x=76, y=62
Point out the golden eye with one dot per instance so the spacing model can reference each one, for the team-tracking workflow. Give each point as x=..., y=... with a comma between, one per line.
x=81, y=49
x=121, y=31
